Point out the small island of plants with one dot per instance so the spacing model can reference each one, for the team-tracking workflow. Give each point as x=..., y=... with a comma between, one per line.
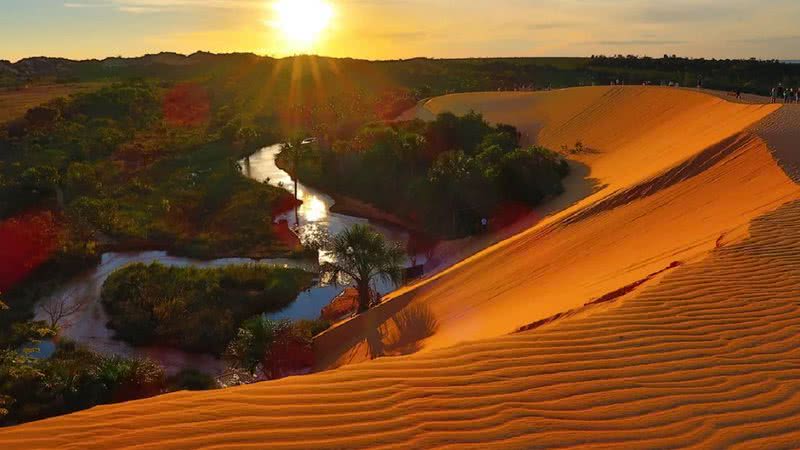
x=198, y=310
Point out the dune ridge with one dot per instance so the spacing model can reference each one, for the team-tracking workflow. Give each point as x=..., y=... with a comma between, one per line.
x=671, y=163
x=703, y=354
x=708, y=358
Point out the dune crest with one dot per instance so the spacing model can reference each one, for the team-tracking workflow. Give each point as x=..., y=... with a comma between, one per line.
x=679, y=170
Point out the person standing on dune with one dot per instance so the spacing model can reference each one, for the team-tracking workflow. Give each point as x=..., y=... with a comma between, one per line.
x=772, y=94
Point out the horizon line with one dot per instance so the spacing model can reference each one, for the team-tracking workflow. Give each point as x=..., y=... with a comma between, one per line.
x=268, y=56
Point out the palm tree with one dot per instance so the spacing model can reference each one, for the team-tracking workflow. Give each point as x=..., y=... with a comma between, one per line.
x=361, y=255
x=295, y=150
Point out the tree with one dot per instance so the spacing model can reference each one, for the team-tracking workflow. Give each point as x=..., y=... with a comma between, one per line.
x=60, y=308
x=361, y=255
x=253, y=343
x=451, y=171
x=295, y=148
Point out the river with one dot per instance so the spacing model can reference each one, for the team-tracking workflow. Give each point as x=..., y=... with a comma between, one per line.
x=88, y=326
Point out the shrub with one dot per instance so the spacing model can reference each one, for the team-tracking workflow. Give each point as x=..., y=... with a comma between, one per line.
x=445, y=175
x=192, y=380
x=72, y=379
x=195, y=309
x=311, y=328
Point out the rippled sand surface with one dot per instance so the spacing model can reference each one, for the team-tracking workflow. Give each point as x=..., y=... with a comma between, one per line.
x=661, y=311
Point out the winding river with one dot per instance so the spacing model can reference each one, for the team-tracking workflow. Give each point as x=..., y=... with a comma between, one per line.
x=88, y=326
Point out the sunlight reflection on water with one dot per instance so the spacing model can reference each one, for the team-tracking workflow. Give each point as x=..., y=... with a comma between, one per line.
x=314, y=213
x=315, y=219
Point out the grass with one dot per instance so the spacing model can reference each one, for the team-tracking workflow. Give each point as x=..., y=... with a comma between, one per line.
x=15, y=103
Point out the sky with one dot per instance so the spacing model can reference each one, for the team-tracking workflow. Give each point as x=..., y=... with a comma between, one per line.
x=393, y=29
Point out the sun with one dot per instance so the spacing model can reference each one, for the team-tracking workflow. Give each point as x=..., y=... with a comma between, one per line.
x=302, y=22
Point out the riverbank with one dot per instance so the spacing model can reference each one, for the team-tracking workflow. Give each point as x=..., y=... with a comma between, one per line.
x=89, y=326
x=350, y=206
x=353, y=207
x=196, y=310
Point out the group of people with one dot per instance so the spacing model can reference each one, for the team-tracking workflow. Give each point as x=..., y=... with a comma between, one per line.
x=785, y=95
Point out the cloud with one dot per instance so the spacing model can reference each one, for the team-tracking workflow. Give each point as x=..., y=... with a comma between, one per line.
x=767, y=40
x=641, y=42
x=683, y=12
x=550, y=26
x=151, y=6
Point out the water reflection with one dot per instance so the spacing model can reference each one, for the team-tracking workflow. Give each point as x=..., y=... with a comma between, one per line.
x=314, y=214
x=88, y=327
x=315, y=219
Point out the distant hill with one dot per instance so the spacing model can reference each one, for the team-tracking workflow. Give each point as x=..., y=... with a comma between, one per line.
x=161, y=65
x=424, y=76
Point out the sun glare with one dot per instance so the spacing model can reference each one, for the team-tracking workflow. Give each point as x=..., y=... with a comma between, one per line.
x=302, y=22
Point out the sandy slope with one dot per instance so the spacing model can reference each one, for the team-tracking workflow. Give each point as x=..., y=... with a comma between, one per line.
x=708, y=358
x=679, y=172
x=696, y=238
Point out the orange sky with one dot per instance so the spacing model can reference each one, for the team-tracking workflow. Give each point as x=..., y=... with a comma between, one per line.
x=387, y=29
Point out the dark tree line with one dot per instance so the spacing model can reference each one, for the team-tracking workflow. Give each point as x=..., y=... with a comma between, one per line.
x=446, y=175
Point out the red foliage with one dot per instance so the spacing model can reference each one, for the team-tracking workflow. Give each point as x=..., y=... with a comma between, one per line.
x=508, y=213
x=285, y=204
x=285, y=236
x=419, y=243
x=346, y=303
x=289, y=355
x=186, y=105
x=26, y=242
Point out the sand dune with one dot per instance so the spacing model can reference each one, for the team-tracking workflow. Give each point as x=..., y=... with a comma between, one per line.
x=679, y=170
x=688, y=258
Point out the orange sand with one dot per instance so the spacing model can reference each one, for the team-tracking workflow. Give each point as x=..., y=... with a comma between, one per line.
x=679, y=171
x=702, y=354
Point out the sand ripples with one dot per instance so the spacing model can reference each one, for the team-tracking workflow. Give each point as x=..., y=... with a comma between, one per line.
x=707, y=355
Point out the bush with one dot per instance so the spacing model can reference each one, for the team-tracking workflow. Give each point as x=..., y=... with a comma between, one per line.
x=445, y=175
x=311, y=328
x=274, y=348
x=72, y=379
x=192, y=380
x=195, y=309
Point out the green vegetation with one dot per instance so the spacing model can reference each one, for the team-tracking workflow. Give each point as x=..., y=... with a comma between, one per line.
x=194, y=309
x=191, y=380
x=114, y=166
x=361, y=255
x=133, y=165
x=251, y=348
x=74, y=378
x=272, y=348
x=16, y=101
x=71, y=380
x=444, y=175
x=144, y=152
x=386, y=86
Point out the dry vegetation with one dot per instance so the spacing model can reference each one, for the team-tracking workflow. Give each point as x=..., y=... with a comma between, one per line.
x=15, y=102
